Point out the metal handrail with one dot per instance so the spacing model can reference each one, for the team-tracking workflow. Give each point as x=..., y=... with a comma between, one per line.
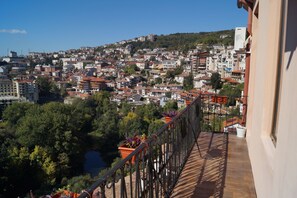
x=158, y=163
x=160, y=160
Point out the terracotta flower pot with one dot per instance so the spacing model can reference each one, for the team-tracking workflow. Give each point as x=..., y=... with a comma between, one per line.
x=125, y=151
x=188, y=102
x=168, y=119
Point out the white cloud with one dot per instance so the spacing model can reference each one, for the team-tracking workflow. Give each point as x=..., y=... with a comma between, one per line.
x=13, y=31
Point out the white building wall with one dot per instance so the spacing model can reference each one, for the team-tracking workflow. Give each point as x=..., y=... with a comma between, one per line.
x=239, y=38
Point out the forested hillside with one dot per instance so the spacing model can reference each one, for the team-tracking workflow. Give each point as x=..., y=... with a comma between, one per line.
x=186, y=41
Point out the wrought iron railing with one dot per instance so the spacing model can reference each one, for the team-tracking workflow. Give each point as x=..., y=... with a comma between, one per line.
x=221, y=113
x=158, y=162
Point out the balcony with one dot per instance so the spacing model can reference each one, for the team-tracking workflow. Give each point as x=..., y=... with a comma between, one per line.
x=197, y=154
x=223, y=171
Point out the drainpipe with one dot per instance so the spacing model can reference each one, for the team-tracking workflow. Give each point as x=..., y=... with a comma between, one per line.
x=247, y=67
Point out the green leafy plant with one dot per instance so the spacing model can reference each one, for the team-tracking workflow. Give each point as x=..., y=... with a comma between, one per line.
x=134, y=141
x=169, y=114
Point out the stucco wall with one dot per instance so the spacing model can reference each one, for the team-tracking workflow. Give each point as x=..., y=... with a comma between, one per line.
x=285, y=175
x=274, y=166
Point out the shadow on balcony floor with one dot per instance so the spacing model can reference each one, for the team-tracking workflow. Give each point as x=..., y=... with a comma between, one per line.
x=223, y=171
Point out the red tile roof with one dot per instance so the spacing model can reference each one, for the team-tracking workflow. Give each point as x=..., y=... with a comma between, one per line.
x=232, y=121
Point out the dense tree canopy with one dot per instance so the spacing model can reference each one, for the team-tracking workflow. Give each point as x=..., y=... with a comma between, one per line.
x=172, y=73
x=43, y=146
x=188, y=82
x=170, y=106
x=42, y=142
x=48, y=90
x=44, y=86
x=131, y=69
x=132, y=125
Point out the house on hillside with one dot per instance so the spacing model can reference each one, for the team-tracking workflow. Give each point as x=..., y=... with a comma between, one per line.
x=231, y=124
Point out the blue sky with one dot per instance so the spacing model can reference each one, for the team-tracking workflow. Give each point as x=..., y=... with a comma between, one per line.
x=52, y=25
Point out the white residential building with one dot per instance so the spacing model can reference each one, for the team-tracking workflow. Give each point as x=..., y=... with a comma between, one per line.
x=239, y=39
x=17, y=90
x=169, y=64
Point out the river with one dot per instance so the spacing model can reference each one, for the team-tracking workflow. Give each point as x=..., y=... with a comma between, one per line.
x=93, y=163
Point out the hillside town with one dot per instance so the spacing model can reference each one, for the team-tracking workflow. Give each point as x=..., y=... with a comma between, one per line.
x=137, y=77
x=137, y=99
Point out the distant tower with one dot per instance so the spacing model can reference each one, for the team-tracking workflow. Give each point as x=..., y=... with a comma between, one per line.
x=12, y=54
x=239, y=38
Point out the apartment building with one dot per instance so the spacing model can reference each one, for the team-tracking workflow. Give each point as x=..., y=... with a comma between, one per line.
x=169, y=64
x=91, y=84
x=17, y=91
x=26, y=90
x=7, y=88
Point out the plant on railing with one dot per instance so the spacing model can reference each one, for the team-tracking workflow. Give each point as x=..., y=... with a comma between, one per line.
x=188, y=100
x=158, y=162
x=130, y=144
x=134, y=141
x=169, y=115
x=64, y=193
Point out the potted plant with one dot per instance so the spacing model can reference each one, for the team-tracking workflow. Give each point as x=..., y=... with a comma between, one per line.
x=240, y=131
x=129, y=145
x=169, y=115
x=188, y=101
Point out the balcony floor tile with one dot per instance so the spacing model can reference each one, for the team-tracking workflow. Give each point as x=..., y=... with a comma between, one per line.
x=224, y=169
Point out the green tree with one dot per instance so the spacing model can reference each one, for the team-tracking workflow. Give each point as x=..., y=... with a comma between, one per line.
x=188, y=82
x=41, y=158
x=63, y=92
x=125, y=108
x=8, y=176
x=102, y=101
x=158, y=80
x=178, y=70
x=133, y=124
x=82, y=115
x=170, y=74
x=170, y=105
x=44, y=86
x=13, y=113
x=75, y=184
x=54, y=89
x=131, y=69
x=58, y=128
x=215, y=81
x=152, y=112
x=232, y=92
x=168, y=94
x=20, y=169
x=107, y=124
x=155, y=126
x=47, y=88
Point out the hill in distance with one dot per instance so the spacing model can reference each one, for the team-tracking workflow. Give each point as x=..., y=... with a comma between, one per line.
x=185, y=41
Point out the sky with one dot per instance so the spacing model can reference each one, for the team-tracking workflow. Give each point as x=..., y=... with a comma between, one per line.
x=53, y=25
